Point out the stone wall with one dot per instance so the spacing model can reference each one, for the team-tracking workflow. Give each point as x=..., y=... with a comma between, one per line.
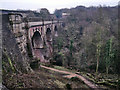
x=13, y=47
x=20, y=34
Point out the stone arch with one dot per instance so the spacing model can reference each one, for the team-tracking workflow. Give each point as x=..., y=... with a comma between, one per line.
x=48, y=34
x=37, y=41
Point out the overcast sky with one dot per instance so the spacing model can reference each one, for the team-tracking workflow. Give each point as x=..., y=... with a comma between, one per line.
x=51, y=5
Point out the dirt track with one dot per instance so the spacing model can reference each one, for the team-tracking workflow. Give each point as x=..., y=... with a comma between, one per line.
x=90, y=84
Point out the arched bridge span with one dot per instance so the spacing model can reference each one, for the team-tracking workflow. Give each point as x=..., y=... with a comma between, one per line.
x=40, y=36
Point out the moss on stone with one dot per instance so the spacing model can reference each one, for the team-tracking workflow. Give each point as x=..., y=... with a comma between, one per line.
x=10, y=62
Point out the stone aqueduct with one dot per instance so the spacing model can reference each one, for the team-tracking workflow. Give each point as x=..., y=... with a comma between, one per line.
x=38, y=35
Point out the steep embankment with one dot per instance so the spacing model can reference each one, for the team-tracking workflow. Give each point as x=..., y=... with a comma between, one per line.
x=44, y=79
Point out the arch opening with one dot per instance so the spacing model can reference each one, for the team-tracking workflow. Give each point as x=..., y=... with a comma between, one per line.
x=55, y=29
x=37, y=40
x=48, y=35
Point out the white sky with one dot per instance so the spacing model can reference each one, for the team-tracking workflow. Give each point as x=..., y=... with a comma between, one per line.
x=51, y=5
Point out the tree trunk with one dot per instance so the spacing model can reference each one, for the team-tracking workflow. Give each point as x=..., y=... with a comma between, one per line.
x=97, y=64
x=107, y=70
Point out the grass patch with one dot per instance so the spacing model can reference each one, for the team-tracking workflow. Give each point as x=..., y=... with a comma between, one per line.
x=63, y=69
x=59, y=83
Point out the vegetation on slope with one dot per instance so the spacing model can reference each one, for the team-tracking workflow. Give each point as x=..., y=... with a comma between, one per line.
x=95, y=43
x=89, y=39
